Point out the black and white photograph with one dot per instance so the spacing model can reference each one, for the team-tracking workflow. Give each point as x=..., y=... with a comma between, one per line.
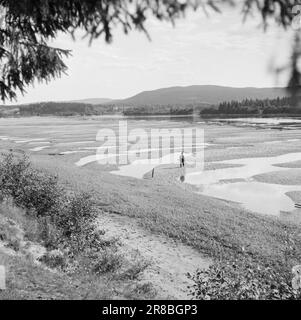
x=150, y=150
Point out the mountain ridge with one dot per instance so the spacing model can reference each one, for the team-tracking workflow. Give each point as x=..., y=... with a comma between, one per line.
x=208, y=94
x=181, y=95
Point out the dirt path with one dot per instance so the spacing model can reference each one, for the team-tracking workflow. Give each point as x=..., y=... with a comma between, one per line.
x=170, y=261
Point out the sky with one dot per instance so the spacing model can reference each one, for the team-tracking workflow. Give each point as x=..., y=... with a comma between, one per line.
x=218, y=50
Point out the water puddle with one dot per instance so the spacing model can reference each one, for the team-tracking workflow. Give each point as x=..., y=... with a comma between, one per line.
x=255, y=196
x=137, y=169
x=38, y=142
x=28, y=140
x=37, y=149
x=281, y=141
x=72, y=152
x=267, y=121
x=75, y=142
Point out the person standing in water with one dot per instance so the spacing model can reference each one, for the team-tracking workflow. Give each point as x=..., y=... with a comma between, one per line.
x=182, y=160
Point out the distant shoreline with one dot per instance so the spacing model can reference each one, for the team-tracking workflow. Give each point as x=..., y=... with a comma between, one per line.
x=157, y=115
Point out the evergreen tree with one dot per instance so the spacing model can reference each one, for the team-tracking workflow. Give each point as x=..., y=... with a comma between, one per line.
x=28, y=26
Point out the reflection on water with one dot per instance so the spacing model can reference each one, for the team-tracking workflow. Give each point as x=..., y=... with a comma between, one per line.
x=256, y=196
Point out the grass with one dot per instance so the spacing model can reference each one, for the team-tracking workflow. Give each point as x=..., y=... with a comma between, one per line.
x=73, y=246
x=54, y=278
x=28, y=281
x=214, y=227
x=288, y=177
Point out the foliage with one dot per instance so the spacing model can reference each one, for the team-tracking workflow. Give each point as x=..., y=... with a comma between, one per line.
x=27, y=26
x=242, y=279
x=59, y=215
x=29, y=188
x=63, y=221
x=10, y=233
x=68, y=230
x=285, y=105
x=54, y=259
x=160, y=110
x=48, y=233
x=106, y=261
x=75, y=220
x=58, y=109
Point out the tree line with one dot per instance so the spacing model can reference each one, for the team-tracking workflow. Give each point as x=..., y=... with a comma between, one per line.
x=56, y=109
x=283, y=105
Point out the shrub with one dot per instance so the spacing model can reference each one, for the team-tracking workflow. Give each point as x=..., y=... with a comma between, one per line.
x=48, y=233
x=12, y=169
x=40, y=192
x=54, y=259
x=241, y=280
x=10, y=233
x=139, y=291
x=29, y=188
x=76, y=221
x=57, y=219
x=106, y=261
x=136, y=266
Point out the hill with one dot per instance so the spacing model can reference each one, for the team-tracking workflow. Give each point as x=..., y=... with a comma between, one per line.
x=206, y=94
x=95, y=101
x=174, y=100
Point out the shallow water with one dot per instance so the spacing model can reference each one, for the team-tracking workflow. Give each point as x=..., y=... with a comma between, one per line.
x=38, y=148
x=28, y=140
x=72, y=152
x=70, y=135
x=138, y=168
x=256, y=196
x=269, y=121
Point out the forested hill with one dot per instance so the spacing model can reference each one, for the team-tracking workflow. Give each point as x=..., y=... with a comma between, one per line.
x=175, y=100
x=206, y=94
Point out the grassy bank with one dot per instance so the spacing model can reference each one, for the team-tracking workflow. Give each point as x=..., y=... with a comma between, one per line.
x=214, y=227
x=49, y=237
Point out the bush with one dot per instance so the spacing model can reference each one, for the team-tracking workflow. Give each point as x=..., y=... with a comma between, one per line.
x=29, y=188
x=12, y=169
x=106, y=261
x=241, y=280
x=54, y=259
x=76, y=221
x=59, y=220
x=10, y=233
x=48, y=233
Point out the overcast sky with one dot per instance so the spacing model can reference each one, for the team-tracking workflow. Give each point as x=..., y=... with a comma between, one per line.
x=218, y=50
